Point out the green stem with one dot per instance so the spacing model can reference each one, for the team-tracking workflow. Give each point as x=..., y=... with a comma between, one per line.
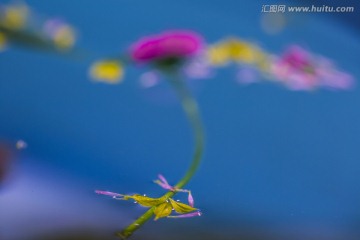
x=191, y=109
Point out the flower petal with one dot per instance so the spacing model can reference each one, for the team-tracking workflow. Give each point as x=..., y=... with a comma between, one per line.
x=163, y=179
x=178, y=44
x=187, y=215
x=162, y=182
x=218, y=55
x=146, y=201
x=163, y=185
x=181, y=207
x=111, y=194
x=163, y=210
x=190, y=199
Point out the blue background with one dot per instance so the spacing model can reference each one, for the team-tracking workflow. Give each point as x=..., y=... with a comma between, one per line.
x=278, y=164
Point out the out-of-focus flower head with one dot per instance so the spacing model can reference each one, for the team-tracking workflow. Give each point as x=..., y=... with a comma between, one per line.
x=233, y=50
x=14, y=16
x=298, y=69
x=333, y=78
x=108, y=71
x=20, y=26
x=61, y=33
x=249, y=58
x=166, y=49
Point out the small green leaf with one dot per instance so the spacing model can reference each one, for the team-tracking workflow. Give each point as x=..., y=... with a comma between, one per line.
x=181, y=207
x=146, y=201
x=163, y=210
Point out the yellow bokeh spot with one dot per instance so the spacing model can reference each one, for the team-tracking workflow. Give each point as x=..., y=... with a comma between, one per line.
x=15, y=17
x=263, y=61
x=235, y=50
x=218, y=55
x=64, y=37
x=240, y=51
x=2, y=41
x=108, y=71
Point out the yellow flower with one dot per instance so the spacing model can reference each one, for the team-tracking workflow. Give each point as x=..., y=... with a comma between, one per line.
x=109, y=71
x=164, y=206
x=64, y=37
x=236, y=50
x=240, y=51
x=163, y=210
x=218, y=55
x=231, y=50
x=2, y=41
x=15, y=16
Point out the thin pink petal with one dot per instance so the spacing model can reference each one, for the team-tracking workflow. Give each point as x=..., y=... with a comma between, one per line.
x=111, y=194
x=164, y=185
x=187, y=215
x=163, y=179
x=190, y=199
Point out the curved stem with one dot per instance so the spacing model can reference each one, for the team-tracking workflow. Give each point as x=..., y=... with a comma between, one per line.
x=191, y=109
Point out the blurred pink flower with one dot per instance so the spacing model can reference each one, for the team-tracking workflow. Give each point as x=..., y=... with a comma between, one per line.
x=297, y=58
x=172, y=44
x=301, y=70
x=333, y=78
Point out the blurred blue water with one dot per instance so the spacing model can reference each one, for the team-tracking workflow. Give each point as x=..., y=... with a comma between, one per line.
x=277, y=160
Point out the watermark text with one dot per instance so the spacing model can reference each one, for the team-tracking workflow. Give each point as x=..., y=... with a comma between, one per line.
x=309, y=9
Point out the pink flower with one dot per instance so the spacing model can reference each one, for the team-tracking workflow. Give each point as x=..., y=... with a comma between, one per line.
x=301, y=70
x=332, y=77
x=295, y=69
x=296, y=58
x=168, y=45
x=163, y=206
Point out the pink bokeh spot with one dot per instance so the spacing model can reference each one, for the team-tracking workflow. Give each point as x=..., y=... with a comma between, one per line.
x=297, y=58
x=179, y=44
x=300, y=70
